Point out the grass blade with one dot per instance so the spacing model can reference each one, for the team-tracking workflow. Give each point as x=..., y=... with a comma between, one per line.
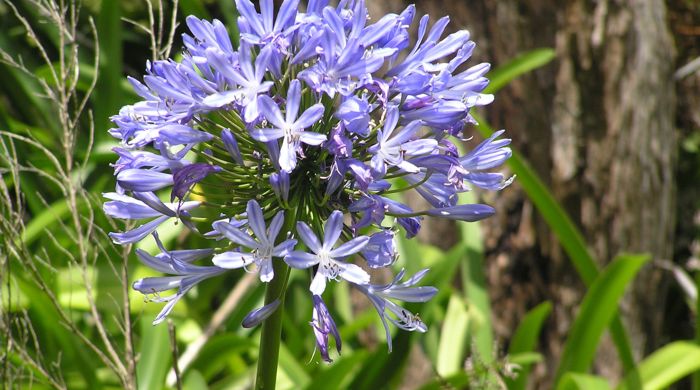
x=518, y=66
x=474, y=282
x=666, y=366
x=454, y=338
x=155, y=355
x=338, y=373
x=576, y=381
x=597, y=310
x=108, y=95
x=292, y=367
x=525, y=340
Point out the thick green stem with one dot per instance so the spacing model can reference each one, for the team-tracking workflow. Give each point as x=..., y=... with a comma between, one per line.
x=272, y=327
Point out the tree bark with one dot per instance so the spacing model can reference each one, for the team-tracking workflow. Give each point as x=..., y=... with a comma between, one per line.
x=598, y=126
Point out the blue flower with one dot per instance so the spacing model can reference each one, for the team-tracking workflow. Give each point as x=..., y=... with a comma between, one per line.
x=249, y=81
x=355, y=112
x=324, y=327
x=176, y=263
x=186, y=177
x=142, y=206
x=381, y=249
x=317, y=114
x=142, y=180
x=464, y=212
x=264, y=29
x=391, y=151
x=263, y=249
x=379, y=295
x=327, y=258
x=290, y=127
x=490, y=153
x=255, y=317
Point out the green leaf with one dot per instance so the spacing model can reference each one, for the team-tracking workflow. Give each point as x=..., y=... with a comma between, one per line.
x=525, y=340
x=454, y=338
x=527, y=334
x=575, y=381
x=155, y=355
x=525, y=358
x=566, y=232
x=220, y=352
x=108, y=95
x=518, y=66
x=228, y=9
x=194, y=7
x=38, y=225
x=44, y=321
x=339, y=372
x=383, y=370
x=597, y=310
x=665, y=366
x=456, y=381
x=194, y=381
x=474, y=282
x=289, y=364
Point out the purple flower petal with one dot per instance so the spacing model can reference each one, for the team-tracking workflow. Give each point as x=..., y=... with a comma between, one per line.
x=293, y=101
x=310, y=116
x=234, y=234
x=311, y=138
x=139, y=233
x=465, y=212
x=324, y=326
x=353, y=246
x=179, y=134
x=233, y=260
x=141, y=180
x=332, y=229
x=266, y=135
x=308, y=236
x=272, y=112
x=221, y=99
x=185, y=178
x=256, y=221
x=275, y=226
x=354, y=274
x=280, y=184
x=301, y=260
x=231, y=145
x=157, y=284
x=318, y=284
x=283, y=248
x=380, y=251
x=126, y=207
x=257, y=316
x=288, y=156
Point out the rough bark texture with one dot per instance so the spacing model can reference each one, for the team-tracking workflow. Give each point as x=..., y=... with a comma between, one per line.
x=598, y=126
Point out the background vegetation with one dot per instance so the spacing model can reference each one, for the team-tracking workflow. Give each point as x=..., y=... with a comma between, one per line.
x=70, y=320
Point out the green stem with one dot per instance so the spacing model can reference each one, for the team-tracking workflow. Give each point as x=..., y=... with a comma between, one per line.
x=272, y=327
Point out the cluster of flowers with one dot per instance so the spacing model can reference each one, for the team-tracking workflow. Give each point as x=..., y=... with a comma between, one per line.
x=308, y=129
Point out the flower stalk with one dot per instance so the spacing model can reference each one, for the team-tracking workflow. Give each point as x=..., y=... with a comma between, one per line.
x=271, y=333
x=272, y=330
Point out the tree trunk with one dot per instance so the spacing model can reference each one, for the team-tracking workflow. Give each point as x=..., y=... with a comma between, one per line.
x=598, y=126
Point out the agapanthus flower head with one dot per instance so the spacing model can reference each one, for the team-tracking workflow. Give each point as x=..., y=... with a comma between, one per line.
x=293, y=147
